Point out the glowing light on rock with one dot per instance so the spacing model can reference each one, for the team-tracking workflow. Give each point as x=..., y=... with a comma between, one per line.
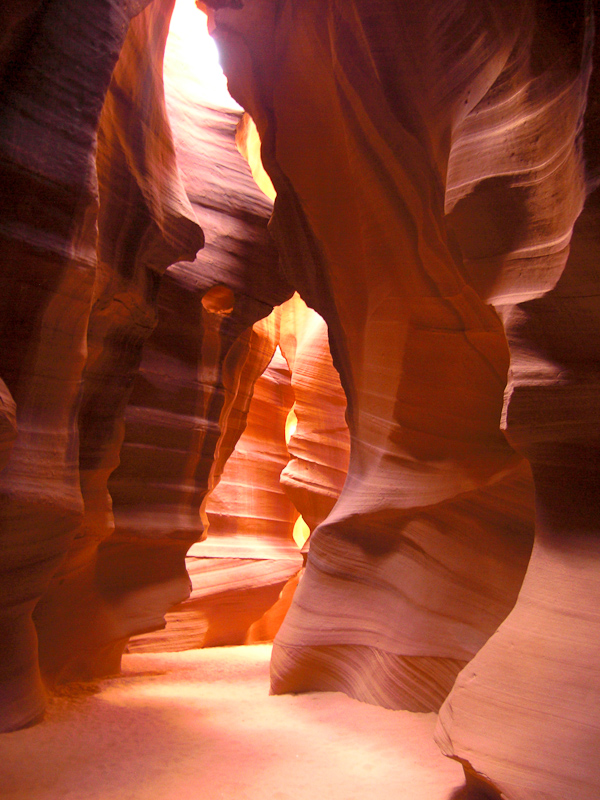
x=301, y=532
x=248, y=142
x=192, y=57
x=219, y=300
x=291, y=424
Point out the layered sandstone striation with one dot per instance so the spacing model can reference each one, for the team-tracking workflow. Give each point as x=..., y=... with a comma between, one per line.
x=318, y=443
x=188, y=386
x=238, y=572
x=436, y=200
x=112, y=362
x=57, y=62
x=436, y=170
x=145, y=223
x=540, y=665
x=295, y=444
x=434, y=493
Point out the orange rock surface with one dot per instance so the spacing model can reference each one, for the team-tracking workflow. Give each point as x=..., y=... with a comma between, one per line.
x=437, y=208
x=319, y=444
x=106, y=563
x=541, y=273
x=436, y=193
x=53, y=91
x=244, y=574
x=422, y=359
x=145, y=223
x=238, y=572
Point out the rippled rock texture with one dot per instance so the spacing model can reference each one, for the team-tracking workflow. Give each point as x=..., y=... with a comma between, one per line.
x=57, y=60
x=118, y=361
x=295, y=445
x=436, y=181
x=436, y=169
x=238, y=572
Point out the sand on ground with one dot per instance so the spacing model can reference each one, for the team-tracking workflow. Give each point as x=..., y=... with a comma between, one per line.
x=200, y=725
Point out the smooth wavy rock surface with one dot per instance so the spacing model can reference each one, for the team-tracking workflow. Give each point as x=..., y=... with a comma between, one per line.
x=145, y=223
x=436, y=170
x=457, y=144
x=319, y=444
x=53, y=91
x=238, y=572
x=108, y=199
x=189, y=399
x=434, y=493
x=524, y=713
x=295, y=443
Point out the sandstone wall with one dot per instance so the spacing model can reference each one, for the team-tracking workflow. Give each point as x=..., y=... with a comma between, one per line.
x=436, y=179
x=359, y=168
x=295, y=444
x=57, y=62
x=436, y=169
x=112, y=365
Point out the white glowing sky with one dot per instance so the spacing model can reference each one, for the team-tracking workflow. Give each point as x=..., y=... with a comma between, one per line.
x=192, y=56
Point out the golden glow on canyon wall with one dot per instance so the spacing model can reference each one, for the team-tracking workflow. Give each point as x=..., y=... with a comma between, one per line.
x=438, y=204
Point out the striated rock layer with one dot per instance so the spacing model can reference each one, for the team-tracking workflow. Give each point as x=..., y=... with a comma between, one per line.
x=524, y=713
x=319, y=443
x=436, y=168
x=424, y=553
x=103, y=363
x=145, y=223
x=251, y=520
x=53, y=91
x=438, y=161
x=238, y=572
x=295, y=443
x=188, y=387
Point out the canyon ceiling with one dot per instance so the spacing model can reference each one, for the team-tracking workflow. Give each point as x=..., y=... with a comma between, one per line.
x=392, y=344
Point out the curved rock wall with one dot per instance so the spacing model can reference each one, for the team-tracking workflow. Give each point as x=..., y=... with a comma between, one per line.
x=445, y=157
x=436, y=168
x=145, y=223
x=53, y=91
x=238, y=572
x=188, y=396
x=244, y=575
x=102, y=213
x=319, y=445
x=540, y=663
x=422, y=359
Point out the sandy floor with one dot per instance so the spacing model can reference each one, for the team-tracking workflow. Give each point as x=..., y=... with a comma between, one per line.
x=200, y=725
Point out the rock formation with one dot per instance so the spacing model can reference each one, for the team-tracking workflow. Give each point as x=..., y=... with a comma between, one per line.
x=431, y=168
x=79, y=322
x=422, y=359
x=57, y=61
x=540, y=665
x=319, y=444
x=187, y=405
x=238, y=572
x=436, y=169
x=250, y=557
x=145, y=223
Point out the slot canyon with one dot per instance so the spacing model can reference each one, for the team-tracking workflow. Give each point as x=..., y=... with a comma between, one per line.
x=299, y=399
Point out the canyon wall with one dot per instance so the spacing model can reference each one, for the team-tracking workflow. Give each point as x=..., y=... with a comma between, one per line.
x=118, y=361
x=424, y=551
x=436, y=173
x=57, y=61
x=238, y=572
x=436, y=181
x=295, y=445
